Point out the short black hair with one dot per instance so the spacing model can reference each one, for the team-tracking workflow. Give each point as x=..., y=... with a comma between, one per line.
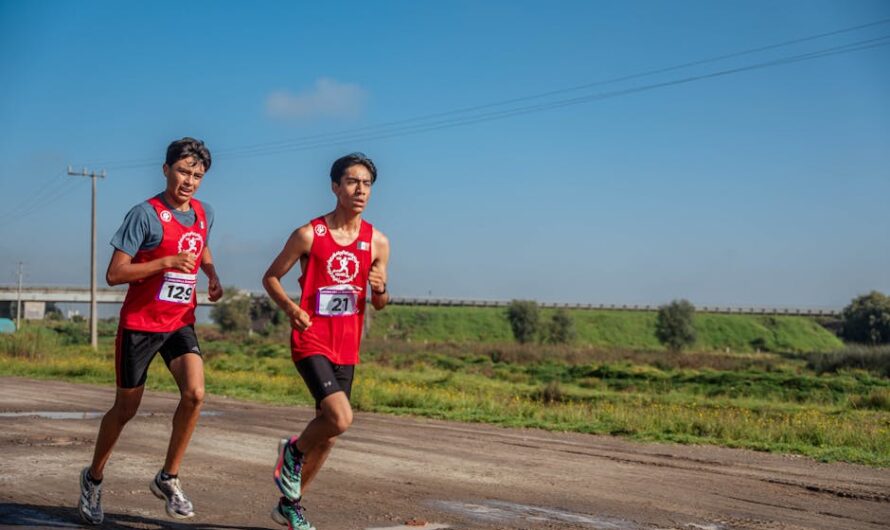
x=345, y=162
x=187, y=148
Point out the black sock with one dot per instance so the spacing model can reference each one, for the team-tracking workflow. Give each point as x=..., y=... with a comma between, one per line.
x=92, y=480
x=297, y=452
x=166, y=476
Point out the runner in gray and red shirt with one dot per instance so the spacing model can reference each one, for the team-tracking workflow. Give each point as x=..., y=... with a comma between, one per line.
x=158, y=250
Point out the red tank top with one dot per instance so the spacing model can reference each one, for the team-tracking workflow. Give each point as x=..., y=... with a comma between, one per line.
x=334, y=286
x=166, y=301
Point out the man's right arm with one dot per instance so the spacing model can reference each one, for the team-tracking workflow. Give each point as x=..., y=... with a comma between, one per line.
x=297, y=246
x=134, y=232
x=121, y=268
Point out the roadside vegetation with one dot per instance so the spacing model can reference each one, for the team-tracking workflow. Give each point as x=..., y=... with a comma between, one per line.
x=626, y=330
x=780, y=384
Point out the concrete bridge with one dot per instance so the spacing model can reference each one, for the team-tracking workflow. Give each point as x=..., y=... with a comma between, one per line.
x=104, y=295
x=115, y=295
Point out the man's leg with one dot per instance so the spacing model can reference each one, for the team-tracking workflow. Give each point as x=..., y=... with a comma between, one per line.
x=336, y=412
x=188, y=370
x=333, y=417
x=126, y=403
x=133, y=352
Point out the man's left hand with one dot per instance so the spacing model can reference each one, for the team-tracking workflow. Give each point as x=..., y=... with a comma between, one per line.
x=214, y=289
x=377, y=278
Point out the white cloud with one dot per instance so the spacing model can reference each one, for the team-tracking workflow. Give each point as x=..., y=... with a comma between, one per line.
x=328, y=98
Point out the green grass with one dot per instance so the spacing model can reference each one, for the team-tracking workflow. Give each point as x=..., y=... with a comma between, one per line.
x=764, y=401
x=459, y=324
x=606, y=329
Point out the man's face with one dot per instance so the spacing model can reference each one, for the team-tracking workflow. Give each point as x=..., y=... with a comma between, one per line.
x=354, y=189
x=183, y=178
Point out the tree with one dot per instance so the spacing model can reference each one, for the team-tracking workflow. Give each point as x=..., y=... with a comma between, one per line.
x=265, y=316
x=53, y=312
x=232, y=312
x=674, y=327
x=561, y=328
x=867, y=319
x=523, y=317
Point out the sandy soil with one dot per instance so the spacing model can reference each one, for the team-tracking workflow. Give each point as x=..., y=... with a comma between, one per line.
x=388, y=471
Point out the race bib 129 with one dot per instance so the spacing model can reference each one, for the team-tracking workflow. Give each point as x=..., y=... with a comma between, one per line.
x=178, y=287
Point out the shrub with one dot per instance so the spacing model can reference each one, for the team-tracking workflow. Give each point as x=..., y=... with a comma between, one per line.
x=29, y=342
x=72, y=332
x=551, y=393
x=877, y=399
x=759, y=344
x=265, y=316
x=867, y=319
x=524, y=318
x=561, y=329
x=872, y=359
x=276, y=351
x=674, y=327
x=232, y=312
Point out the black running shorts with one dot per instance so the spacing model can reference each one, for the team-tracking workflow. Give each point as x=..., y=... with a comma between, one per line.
x=134, y=351
x=324, y=377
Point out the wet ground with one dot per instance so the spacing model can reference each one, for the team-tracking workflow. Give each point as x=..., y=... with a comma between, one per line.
x=392, y=473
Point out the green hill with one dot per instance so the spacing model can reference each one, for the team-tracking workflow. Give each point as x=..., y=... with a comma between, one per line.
x=608, y=329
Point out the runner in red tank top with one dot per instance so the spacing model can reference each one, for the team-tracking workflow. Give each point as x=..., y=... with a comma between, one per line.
x=158, y=251
x=341, y=258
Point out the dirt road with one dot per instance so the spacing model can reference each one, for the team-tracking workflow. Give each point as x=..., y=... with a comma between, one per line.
x=388, y=471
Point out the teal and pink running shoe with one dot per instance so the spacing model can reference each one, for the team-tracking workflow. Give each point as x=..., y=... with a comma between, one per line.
x=289, y=469
x=290, y=513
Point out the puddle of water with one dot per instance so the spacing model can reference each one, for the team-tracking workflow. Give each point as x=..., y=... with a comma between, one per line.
x=507, y=512
x=58, y=415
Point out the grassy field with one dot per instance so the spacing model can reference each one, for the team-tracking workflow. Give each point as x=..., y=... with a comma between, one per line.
x=606, y=329
x=830, y=406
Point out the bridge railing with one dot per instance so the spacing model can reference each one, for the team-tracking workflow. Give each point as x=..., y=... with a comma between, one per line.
x=116, y=295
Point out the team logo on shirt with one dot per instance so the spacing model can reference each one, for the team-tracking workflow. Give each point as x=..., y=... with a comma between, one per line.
x=191, y=242
x=320, y=230
x=166, y=216
x=343, y=266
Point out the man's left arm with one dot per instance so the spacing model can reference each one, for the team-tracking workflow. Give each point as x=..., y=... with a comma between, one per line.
x=214, y=288
x=377, y=276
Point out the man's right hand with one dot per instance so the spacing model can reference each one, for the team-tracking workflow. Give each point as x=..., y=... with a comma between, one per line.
x=299, y=319
x=184, y=261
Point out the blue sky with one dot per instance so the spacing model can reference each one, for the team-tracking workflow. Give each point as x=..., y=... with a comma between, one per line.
x=765, y=187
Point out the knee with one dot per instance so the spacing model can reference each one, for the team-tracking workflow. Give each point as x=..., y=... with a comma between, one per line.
x=340, y=421
x=193, y=397
x=123, y=412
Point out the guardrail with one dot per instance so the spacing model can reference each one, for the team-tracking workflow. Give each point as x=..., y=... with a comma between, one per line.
x=450, y=302
x=108, y=295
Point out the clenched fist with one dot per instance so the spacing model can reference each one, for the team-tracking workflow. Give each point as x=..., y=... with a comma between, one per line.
x=184, y=261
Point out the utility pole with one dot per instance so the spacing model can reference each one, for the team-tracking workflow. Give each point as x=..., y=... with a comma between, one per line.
x=18, y=307
x=94, y=317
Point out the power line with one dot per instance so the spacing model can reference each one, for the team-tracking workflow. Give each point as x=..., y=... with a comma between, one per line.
x=54, y=189
x=501, y=114
x=424, y=123
x=578, y=87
